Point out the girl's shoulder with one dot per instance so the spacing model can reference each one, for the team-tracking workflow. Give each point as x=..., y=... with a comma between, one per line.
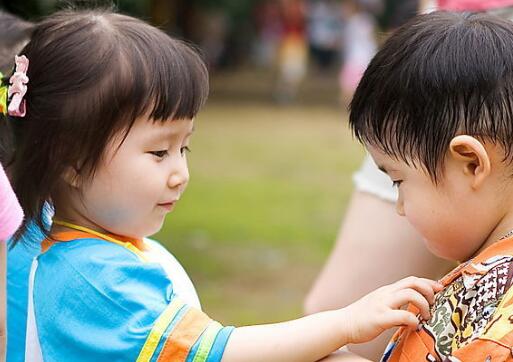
x=99, y=265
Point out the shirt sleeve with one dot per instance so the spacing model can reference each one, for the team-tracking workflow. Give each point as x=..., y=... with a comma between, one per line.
x=97, y=301
x=371, y=180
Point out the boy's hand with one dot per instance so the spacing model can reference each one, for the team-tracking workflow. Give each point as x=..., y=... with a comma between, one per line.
x=380, y=310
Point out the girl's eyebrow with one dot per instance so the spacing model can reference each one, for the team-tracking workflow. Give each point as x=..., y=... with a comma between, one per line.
x=165, y=135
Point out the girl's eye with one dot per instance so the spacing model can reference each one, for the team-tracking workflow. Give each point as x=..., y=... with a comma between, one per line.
x=159, y=154
x=396, y=183
x=185, y=149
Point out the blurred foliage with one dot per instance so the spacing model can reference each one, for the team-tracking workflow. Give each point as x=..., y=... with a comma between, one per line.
x=239, y=10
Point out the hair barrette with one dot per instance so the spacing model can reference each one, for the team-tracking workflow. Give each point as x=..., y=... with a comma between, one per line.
x=18, y=87
x=3, y=95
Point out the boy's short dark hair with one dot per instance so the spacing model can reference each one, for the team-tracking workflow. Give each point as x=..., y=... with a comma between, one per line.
x=439, y=75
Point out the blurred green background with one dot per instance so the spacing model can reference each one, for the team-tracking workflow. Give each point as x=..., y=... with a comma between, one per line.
x=270, y=176
x=269, y=185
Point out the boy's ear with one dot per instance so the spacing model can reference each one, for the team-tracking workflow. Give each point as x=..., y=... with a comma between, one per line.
x=71, y=177
x=473, y=157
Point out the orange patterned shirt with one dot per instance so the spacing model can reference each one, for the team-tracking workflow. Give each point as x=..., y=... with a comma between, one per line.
x=472, y=317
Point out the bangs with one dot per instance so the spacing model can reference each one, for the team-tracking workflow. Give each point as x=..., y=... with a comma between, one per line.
x=135, y=70
x=160, y=77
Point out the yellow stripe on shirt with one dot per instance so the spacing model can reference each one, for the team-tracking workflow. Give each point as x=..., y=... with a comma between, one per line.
x=158, y=330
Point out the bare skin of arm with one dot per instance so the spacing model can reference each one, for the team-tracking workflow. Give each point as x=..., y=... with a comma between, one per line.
x=375, y=246
x=314, y=337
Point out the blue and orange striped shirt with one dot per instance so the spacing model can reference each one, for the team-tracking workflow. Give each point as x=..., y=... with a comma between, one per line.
x=97, y=300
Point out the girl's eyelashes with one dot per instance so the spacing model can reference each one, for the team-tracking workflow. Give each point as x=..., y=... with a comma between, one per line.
x=164, y=153
x=160, y=153
x=396, y=183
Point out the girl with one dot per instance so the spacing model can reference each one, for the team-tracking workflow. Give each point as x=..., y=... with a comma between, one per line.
x=102, y=132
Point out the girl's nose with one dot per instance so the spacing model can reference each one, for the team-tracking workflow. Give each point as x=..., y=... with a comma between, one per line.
x=179, y=175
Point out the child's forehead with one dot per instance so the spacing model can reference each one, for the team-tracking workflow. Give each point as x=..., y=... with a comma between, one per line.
x=163, y=128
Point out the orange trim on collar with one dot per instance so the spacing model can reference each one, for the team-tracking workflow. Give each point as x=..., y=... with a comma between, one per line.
x=65, y=236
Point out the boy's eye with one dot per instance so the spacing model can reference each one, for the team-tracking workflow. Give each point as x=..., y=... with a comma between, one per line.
x=396, y=183
x=185, y=149
x=159, y=154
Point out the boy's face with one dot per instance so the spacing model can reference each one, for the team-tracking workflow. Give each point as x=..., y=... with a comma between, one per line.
x=454, y=217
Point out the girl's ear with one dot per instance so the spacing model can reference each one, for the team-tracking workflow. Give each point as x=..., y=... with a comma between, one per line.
x=472, y=156
x=71, y=177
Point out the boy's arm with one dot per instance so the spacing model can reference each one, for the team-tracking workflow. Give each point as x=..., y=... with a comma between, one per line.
x=314, y=337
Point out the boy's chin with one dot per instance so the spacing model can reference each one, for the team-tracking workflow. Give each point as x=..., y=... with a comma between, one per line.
x=442, y=250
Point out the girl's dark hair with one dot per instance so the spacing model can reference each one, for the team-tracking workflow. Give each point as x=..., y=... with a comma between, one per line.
x=91, y=74
x=439, y=75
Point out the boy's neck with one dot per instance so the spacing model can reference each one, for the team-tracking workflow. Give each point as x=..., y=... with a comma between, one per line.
x=503, y=228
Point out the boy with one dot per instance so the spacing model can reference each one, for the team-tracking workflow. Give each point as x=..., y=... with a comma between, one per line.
x=435, y=111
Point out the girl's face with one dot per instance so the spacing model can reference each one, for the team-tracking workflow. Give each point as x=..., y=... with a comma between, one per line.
x=137, y=184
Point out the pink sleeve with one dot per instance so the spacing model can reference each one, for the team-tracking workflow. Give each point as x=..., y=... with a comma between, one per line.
x=473, y=5
x=11, y=214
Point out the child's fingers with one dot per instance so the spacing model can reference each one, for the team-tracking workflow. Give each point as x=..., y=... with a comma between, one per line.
x=424, y=286
x=412, y=296
x=399, y=318
x=410, y=281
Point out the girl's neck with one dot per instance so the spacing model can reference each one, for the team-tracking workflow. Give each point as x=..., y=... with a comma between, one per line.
x=78, y=221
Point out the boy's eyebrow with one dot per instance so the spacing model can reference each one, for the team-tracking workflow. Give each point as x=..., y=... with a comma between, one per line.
x=382, y=169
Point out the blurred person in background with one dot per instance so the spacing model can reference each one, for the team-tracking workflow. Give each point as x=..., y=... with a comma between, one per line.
x=359, y=46
x=214, y=26
x=293, y=51
x=269, y=29
x=502, y=8
x=324, y=32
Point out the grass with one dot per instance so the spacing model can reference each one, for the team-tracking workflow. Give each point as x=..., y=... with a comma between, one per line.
x=269, y=185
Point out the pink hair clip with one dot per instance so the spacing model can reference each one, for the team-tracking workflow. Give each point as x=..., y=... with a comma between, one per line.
x=18, y=87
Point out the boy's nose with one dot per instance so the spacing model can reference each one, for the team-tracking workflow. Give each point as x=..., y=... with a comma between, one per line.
x=399, y=207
